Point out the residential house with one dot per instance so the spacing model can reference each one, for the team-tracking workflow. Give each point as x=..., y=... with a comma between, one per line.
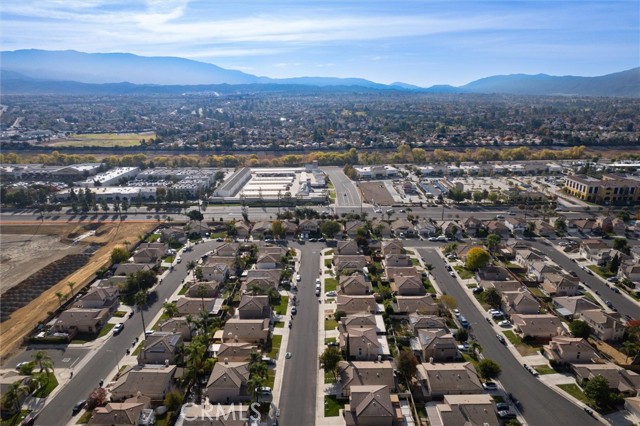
x=492, y=273
x=254, y=307
x=472, y=225
x=356, y=304
x=235, y=351
x=415, y=304
x=371, y=406
x=579, y=227
x=353, y=263
x=228, y=382
x=226, y=250
x=264, y=279
x=290, y=229
x=151, y=381
x=159, y=348
x=630, y=272
x=243, y=229
x=499, y=228
x=161, y=247
x=440, y=379
x=419, y=322
x=132, y=412
x=260, y=229
x=502, y=286
x=362, y=320
x=100, y=298
x=246, y=330
x=571, y=306
x=206, y=289
x=526, y=257
x=217, y=268
x=519, y=302
x=462, y=410
x=603, y=325
x=392, y=247
x=538, y=269
x=544, y=229
x=213, y=415
x=178, y=325
x=539, y=326
x=361, y=343
x=194, y=305
x=393, y=271
x=621, y=380
x=509, y=248
x=591, y=249
x=351, y=228
x=402, y=227
x=174, y=234
x=450, y=228
x=408, y=285
x=125, y=269
x=515, y=224
x=569, y=350
x=79, y=320
x=434, y=344
x=308, y=226
x=560, y=285
x=365, y=373
x=381, y=228
x=269, y=261
x=396, y=261
x=198, y=228
x=426, y=228
x=354, y=285
x=150, y=253
x=348, y=248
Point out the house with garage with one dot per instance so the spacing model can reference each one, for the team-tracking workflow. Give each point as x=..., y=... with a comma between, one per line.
x=365, y=373
x=254, y=307
x=159, y=348
x=569, y=350
x=228, y=382
x=354, y=285
x=439, y=379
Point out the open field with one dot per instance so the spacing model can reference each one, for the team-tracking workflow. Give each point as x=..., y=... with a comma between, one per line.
x=106, y=237
x=104, y=139
x=375, y=192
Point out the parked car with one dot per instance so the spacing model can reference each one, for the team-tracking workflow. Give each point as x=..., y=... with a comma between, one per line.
x=502, y=406
x=477, y=290
x=117, y=329
x=298, y=277
x=294, y=310
x=331, y=294
x=501, y=339
x=506, y=414
x=489, y=386
x=504, y=323
x=78, y=406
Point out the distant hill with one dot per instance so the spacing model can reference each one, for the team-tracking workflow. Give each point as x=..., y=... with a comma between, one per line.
x=59, y=72
x=625, y=83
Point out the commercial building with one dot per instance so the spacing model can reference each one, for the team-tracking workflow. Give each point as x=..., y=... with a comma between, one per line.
x=376, y=172
x=611, y=189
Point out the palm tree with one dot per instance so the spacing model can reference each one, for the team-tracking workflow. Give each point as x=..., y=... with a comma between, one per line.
x=170, y=309
x=195, y=357
x=255, y=383
x=15, y=393
x=140, y=300
x=43, y=360
x=71, y=285
x=60, y=297
x=475, y=348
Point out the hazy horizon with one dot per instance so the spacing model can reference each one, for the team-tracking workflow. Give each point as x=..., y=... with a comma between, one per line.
x=416, y=42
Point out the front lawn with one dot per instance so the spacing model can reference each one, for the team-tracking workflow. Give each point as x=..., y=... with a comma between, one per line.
x=271, y=378
x=464, y=273
x=415, y=262
x=15, y=419
x=327, y=263
x=538, y=293
x=281, y=308
x=330, y=284
x=279, y=324
x=119, y=314
x=329, y=340
x=49, y=386
x=544, y=369
x=329, y=377
x=84, y=419
x=105, y=329
x=152, y=238
x=604, y=274
x=330, y=324
x=332, y=406
x=276, y=341
x=513, y=337
x=573, y=390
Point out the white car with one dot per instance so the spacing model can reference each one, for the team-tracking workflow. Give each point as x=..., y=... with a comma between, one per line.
x=317, y=281
x=298, y=277
x=456, y=312
x=331, y=294
x=504, y=323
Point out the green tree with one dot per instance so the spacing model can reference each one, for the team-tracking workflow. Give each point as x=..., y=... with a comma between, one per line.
x=493, y=241
x=488, y=369
x=448, y=301
x=492, y=297
x=173, y=400
x=140, y=300
x=407, y=364
x=12, y=398
x=330, y=228
x=560, y=225
x=475, y=347
x=170, y=309
x=614, y=264
x=462, y=335
x=580, y=328
x=42, y=360
x=119, y=255
x=330, y=359
x=195, y=215
x=597, y=390
x=621, y=245
x=277, y=229
x=477, y=258
x=97, y=398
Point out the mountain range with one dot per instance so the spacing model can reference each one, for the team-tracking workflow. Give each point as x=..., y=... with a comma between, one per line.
x=72, y=72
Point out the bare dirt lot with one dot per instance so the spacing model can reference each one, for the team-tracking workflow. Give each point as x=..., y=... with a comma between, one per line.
x=50, y=242
x=375, y=191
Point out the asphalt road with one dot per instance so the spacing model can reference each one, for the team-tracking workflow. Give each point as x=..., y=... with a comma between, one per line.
x=63, y=357
x=347, y=194
x=298, y=393
x=622, y=304
x=58, y=410
x=540, y=405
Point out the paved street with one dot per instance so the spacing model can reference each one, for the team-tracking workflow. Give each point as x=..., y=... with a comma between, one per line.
x=540, y=406
x=63, y=357
x=622, y=303
x=103, y=361
x=298, y=393
x=347, y=194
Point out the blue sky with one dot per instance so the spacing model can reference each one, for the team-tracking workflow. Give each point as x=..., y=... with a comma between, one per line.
x=419, y=42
